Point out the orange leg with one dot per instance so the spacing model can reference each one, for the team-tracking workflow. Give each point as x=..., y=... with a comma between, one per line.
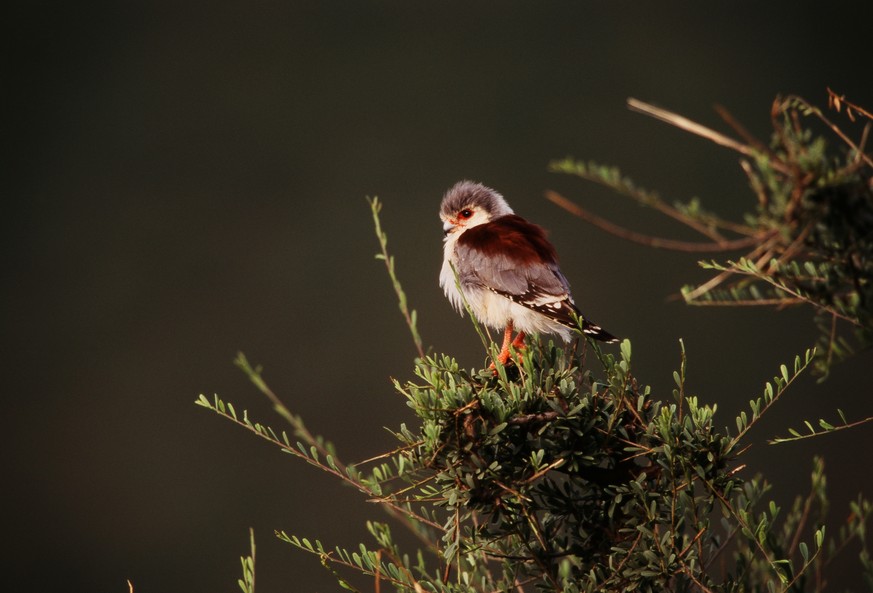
x=503, y=357
x=518, y=342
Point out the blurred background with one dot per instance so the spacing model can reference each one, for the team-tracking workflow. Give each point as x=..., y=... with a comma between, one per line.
x=185, y=181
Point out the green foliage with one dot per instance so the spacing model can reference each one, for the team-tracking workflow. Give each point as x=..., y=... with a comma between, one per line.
x=247, y=582
x=559, y=480
x=550, y=477
x=824, y=425
x=808, y=238
x=409, y=316
x=557, y=475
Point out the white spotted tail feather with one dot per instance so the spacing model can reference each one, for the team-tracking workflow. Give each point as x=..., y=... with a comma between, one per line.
x=507, y=269
x=564, y=312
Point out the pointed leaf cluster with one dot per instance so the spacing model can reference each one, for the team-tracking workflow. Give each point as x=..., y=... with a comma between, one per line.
x=545, y=477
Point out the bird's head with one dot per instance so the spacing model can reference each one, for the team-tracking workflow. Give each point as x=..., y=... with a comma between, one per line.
x=468, y=204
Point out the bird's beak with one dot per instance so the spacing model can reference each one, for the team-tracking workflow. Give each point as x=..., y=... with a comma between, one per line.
x=448, y=227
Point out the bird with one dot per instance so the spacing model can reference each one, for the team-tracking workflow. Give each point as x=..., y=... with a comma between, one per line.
x=507, y=270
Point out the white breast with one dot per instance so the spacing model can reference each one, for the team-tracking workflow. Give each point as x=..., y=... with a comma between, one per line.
x=492, y=309
x=447, y=275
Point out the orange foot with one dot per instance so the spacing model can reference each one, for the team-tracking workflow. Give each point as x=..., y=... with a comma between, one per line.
x=505, y=354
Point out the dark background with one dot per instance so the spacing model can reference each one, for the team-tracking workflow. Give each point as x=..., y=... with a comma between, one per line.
x=185, y=181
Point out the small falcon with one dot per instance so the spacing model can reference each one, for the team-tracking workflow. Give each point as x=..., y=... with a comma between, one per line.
x=507, y=269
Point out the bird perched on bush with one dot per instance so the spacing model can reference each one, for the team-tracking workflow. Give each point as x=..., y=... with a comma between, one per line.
x=507, y=270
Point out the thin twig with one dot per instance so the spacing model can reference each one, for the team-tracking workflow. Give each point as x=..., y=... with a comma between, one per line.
x=410, y=317
x=690, y=574
x=389, y=453
x=648, y=240
x=742, y=131
x=844, y=426
x=545, y=470
x=801, y=523
x=836, y=102
x=797, y=295
x=698, y=129
x=749, y=303
x=300, y=430
x=407, y=516
x=719, y=278
x=649, y=199
x=755, y=182
x=768, y=405
x=836, y=130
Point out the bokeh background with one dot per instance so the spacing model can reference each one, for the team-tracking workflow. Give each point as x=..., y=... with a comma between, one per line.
x=183, y=181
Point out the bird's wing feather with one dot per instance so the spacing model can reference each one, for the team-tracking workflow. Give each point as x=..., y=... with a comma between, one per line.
x=512, y=257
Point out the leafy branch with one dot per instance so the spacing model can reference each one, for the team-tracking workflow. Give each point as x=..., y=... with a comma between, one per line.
x=247, y=582
x=771, y=395
x=556, y=476
x=826, y=428
x=316, y=451
x=809, y=239
x=409, y=316
x=559, y=480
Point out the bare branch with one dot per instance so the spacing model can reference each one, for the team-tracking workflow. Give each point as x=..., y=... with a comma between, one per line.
x=686, y=124
x=648, y=240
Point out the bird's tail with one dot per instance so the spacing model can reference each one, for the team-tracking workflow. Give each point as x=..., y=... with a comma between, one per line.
x=598, y=333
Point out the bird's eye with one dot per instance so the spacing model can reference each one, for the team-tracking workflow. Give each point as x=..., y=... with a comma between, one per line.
x=465, y=213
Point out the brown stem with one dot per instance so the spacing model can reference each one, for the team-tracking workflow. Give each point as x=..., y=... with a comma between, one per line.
x=648, y=240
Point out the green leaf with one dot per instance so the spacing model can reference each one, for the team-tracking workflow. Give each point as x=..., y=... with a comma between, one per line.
x=626, y=350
